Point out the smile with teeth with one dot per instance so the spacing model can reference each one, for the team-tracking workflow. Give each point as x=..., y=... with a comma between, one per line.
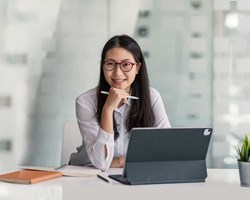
x=118, y=80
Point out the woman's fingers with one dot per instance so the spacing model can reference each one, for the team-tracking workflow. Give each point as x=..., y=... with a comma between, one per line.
x=115, y=97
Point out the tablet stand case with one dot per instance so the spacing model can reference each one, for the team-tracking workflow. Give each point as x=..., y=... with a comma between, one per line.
x=166, y=158
x=166, y=172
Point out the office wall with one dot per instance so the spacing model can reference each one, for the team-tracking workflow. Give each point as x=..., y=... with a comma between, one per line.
x=196, y=52
x=231, y=78
x=70, y=68
x=25, y=30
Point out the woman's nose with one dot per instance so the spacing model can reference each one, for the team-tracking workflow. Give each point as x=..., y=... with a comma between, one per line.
x=118, y=69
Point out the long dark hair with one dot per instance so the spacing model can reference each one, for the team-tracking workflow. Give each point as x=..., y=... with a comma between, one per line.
x=140, y=113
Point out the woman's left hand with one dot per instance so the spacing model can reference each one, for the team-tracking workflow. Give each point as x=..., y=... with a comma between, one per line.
x=118, y=162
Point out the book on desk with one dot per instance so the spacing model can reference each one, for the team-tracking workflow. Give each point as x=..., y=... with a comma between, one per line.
x=29, y=176
x=32, y=174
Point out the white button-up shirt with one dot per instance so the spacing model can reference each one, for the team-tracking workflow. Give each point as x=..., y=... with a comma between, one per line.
x=95, y=138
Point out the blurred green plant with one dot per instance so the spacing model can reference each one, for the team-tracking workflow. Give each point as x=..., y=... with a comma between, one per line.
x=243, y=152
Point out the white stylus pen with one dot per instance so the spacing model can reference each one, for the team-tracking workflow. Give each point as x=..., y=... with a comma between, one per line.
x=130, y=97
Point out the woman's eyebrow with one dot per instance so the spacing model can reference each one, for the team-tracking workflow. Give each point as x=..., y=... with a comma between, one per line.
x=126, y=59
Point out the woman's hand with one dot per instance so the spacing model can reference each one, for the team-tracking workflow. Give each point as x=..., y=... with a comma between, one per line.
x=115, y=98
x=118, y=162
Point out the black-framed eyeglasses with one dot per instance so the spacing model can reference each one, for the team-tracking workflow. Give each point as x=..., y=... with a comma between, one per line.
x=125, y=66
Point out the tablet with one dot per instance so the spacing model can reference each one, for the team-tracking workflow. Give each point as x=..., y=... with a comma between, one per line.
x=166, y=155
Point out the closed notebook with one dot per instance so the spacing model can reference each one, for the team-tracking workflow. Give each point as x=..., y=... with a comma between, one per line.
x=29, y=176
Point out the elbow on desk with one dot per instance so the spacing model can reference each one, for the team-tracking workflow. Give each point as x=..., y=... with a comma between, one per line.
x=102, y=166
x=99, y=162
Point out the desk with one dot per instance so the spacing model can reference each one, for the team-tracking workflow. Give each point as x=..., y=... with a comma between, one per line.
x=221, y=183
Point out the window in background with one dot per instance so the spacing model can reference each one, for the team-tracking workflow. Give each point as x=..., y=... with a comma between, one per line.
x=231, y=78
x=197, y=53
x=176, y=37
x=25, y=28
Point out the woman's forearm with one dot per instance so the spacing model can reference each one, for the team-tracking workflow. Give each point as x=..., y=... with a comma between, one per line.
x=106, y=122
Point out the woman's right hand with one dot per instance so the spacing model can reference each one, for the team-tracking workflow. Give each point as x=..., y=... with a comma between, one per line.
x=116, y=97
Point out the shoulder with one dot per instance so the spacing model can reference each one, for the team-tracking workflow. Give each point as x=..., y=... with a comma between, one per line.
x=155, y=96
x=87, y=98
x=154, y=93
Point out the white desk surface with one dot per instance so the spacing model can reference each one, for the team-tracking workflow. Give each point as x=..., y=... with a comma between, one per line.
x=220, y=184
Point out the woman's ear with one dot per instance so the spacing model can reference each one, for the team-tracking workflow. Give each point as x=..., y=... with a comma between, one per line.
x=138, y=67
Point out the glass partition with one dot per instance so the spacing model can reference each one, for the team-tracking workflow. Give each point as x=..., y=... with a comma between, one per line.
x=197, y=54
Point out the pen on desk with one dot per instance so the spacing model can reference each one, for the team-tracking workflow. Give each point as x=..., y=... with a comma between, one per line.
x=60, y=167
x=103, y=178
x=130, y=97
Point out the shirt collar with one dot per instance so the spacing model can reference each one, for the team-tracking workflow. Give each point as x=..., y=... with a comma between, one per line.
x=128, y=102
x=124, y=106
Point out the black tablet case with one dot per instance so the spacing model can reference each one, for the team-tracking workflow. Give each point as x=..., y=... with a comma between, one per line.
x=172, y=155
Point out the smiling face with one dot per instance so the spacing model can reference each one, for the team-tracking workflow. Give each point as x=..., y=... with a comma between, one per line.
x=117, y=78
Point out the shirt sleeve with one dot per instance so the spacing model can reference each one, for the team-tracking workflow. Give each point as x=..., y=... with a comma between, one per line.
x=94, y=137
x=161, y=118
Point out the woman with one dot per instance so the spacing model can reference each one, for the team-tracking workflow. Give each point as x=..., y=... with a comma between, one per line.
x=105, y=120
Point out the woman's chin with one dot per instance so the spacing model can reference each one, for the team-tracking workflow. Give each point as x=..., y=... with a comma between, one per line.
x=118, y=86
